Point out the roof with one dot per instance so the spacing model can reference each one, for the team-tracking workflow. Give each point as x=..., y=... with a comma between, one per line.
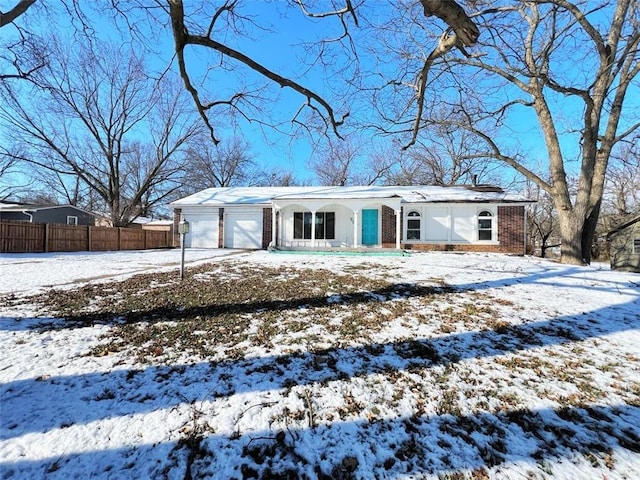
x=22, y=207
x=407, y=194
x=236, y=195
x=623, y=226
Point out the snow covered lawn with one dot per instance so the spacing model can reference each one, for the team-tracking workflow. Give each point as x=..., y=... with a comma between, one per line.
x=262, y=365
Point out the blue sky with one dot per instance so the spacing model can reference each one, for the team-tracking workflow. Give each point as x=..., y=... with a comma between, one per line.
x=278, y=49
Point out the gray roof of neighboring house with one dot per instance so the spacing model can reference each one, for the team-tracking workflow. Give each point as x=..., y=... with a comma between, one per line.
x=623, y=226
x=408, y=194
x=20, y=207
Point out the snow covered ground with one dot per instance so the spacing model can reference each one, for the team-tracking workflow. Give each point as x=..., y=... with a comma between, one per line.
x=446, y=366
x=28, y=273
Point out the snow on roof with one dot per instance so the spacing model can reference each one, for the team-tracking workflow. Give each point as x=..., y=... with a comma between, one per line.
x=237, y=195
x=409, y=194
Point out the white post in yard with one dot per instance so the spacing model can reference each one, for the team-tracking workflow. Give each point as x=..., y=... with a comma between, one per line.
x=398, y=230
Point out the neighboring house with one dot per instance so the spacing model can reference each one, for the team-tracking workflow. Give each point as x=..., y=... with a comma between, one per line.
x=624, y=246
x=160, y=225
x=478, y=218
x=64, y=214
x=144, y=223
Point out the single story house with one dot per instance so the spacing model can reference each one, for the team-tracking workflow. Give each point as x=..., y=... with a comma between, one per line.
x=61, y=214
x=624, y=246
x=474, y=218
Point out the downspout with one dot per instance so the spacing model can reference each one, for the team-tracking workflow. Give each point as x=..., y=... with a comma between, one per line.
x=30, y=215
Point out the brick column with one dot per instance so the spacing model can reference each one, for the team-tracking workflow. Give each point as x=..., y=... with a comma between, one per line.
x=177, y=213
x=511, y=229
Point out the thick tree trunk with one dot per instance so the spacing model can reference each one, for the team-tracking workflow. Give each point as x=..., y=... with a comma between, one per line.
x=589, y=232
x=571, y=228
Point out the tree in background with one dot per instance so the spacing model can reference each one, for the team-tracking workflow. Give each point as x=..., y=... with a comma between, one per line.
x=488, y=64
x=94, y=119
x=350, y=162
x=8, y=165
x=542, y=221
x=622, y=190
x=229, y=164
x=445, y=156
x=519, y=64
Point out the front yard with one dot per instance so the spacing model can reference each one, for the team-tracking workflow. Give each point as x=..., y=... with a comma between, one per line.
x=266, y=365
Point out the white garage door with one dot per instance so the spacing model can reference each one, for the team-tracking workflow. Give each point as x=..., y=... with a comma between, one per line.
x=203, y=231
x=243, y=228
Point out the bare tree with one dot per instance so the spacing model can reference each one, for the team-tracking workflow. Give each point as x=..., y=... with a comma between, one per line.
x=507, y=58
x=202, y=27
x=84, y=117
x=8, y=187
x=349, y=162
x=275, y=177
x=21, y=52
x=444, y=155
x=519, y=63
x=622, y=190
x=542, y=220
x=228, y=164
x=335, y=165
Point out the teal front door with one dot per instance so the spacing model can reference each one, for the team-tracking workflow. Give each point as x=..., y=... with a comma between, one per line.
x=370, y=227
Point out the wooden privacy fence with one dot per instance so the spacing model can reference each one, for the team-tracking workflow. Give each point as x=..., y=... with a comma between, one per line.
x=20, y=237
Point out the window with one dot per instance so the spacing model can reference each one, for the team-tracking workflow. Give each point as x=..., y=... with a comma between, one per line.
x=636, y=246
x=413, y=226
x=72, y=220
x=325, y=227
x=485, y=225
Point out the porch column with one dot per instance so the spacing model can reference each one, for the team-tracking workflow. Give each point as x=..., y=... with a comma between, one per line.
x=274, y=233
x=355, y=229
x=398, y=230
x=313, y=229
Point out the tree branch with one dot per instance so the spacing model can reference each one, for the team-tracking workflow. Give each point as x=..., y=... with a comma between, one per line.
x=453, y=15
x=21, y=7
x=180, y=36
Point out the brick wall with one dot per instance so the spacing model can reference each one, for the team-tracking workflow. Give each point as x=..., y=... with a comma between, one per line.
x=388, y=226
x=511, y=228
x=267, y=227
x=453, y=247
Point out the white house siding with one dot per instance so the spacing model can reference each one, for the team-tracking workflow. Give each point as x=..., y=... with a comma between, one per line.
x=343, y=227
x=435, y=225
x=463, y=224
x=448, y=223
x=243, y=227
